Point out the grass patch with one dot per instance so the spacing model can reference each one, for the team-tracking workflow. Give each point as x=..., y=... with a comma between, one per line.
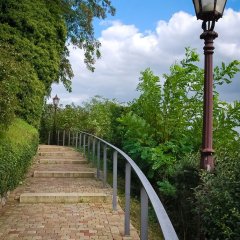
x=18, y=145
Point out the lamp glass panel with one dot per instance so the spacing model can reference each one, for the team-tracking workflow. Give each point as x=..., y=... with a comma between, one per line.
x=207, y=6
x=220, y=6
x=56, y=100
x=197, y=6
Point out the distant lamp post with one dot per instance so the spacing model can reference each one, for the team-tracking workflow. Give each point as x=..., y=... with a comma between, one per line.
x=209, y=11
x=55, y=104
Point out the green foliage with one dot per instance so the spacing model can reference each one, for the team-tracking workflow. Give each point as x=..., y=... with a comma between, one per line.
x=182, y=104
x=101, y=116
x=21, y=93
x=17, y=147
x=227, y=121
x=70, y=118
x=32, y=41
x=37, y=34
x=8, y=86
x=136, y=139
x=97, y=116
x=167, y=188
x=218, y=197
x=79, y=15
x=161, y=131
x=147, y=105
x=33, y=36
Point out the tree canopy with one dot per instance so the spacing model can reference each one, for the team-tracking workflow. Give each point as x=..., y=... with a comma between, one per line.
x=34, y=41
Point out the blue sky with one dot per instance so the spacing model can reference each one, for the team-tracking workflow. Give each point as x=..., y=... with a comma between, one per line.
x=153, y=34
x=145, y=14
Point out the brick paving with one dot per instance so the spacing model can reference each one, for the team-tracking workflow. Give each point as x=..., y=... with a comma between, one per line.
x=61, y=221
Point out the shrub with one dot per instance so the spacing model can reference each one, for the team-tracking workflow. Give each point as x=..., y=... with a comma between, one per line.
x=9, y=72
x=218, y=197
x=17, y=147
x=21, y=92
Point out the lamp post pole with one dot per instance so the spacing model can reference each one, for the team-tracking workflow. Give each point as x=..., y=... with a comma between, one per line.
x=54, y=126
x=207, y=160
x=55, y=104
x=209, y=11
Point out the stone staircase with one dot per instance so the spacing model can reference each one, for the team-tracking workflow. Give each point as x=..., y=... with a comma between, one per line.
x=56, y=163
x=62, y=199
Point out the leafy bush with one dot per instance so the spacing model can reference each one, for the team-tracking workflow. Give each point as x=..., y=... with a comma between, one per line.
x=218, y=197
x=162, y=133
x=21, y=93
x=17, y=147
x=97, y=116
x=9, y=72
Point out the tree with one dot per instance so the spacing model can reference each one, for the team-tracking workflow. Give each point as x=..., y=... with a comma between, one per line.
x=38, y=34
x=102, y=116
x=97, y=116
x=162, y=133
x=79, y=15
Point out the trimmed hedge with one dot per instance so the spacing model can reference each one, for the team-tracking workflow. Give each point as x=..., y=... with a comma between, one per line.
x=18, y=145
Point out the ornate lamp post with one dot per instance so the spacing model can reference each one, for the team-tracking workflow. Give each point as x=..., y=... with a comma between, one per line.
x=55, y=104
x=209, y=11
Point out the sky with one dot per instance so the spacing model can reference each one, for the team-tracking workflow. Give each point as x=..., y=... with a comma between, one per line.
x=153, y=34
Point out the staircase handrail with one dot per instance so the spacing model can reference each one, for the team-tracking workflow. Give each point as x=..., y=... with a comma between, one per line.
x=162, y=216
x=147, y=191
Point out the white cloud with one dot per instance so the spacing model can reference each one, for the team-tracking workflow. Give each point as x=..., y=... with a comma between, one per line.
x=126, y=52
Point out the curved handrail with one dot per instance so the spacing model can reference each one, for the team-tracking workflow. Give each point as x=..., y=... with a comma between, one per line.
x=163, y=219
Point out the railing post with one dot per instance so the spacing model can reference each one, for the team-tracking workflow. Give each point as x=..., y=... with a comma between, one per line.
x=98, y=159
x=80, y=140
x=104, y=165
x=76, y=139
x=72, y=143
x=144, y=214
x=93, y=151
x=63, y=137
x=49, y=137
x=127, y=199
x=114, y=200
x=69, y=136
x=88, y=153
x=58, y=137
x=84, y=145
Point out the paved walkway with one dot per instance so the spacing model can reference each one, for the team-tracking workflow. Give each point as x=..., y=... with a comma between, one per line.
x=62, y=221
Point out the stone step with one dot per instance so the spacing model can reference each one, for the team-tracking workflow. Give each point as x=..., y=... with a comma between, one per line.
x=64, y=174
x=62, y=161
x=60, y=154
x=55, y=147
x=61, y=158
x=65, y=198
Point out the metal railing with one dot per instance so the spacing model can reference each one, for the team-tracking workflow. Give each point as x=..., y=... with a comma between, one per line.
x=88, y=141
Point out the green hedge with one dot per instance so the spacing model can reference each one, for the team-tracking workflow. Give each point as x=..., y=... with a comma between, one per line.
x=18, y=145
